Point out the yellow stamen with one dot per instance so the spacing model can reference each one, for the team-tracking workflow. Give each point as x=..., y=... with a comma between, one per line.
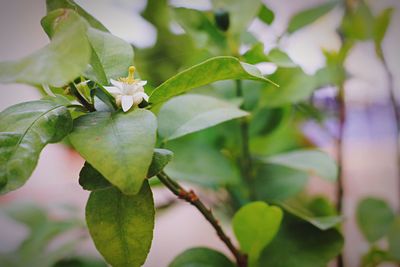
x=131, y=76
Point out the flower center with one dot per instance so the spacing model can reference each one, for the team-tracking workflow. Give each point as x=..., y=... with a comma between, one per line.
x=130, y=79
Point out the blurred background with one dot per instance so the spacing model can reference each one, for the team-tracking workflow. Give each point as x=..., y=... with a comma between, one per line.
x=370, y=164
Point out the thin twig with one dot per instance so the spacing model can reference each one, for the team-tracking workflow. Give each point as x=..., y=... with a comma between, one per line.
x=192, y=198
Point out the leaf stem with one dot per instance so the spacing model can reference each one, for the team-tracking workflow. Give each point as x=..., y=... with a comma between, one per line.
x=193, y=199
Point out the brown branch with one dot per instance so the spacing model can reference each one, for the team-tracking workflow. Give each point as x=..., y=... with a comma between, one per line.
x=193, y=199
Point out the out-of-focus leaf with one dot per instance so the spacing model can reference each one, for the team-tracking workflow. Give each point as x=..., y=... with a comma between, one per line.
x=70, y=4
x=25, y=129
x=358, y=24
x=255, y=225
x=201, y=257
x=382, y=22
x=276, y=183
x=79, y=262
x=121, y=226
x=186, y=114
x=295, y=86
x=374, y=217
x=394, y=239
x=266, y=15
x=313, y=162
x=257, y=55
x=30, y=215
x=118, y=145
x=308, y=16
x=266, y=120
x=300, y=244
x=296, y=208
x=209, y=71
x=58, y=63
x=208, y=167
x=241, y=13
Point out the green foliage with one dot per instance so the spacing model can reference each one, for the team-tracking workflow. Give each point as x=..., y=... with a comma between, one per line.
x=374, y=218
x=382, y=22
x=118, y=145
x=255, y=225
x=200, y=112
x=298, y=243
x=59, y=62
x=358, y=24
x=394, y=240
x=201, y=257
x=121, y=226
x=313, y=162
x=256, y=55
x=308, y=16
x=266, y=15
x=209, y=71
x=25, y=129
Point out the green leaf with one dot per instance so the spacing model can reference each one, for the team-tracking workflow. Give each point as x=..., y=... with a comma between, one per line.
x=118, y=145
x=29, y=214
x=266, y=15
x=25, y=129
x=161, y=158
x=111, y=56
x=79, y=262
x=186, y=114
x=256, y=55
x=394, y=239
x=255, y=225
x=374, y=217
x=121, y=226
x=308, y=16
x=295, y=86
x=313, y=162
x=201, y=257
x=296, y=208
x=92, y=180
x=300, y=244
x=266, y=120
x=276, y=183
x=210, y=167
x=70, y=4
x=59, y=62
x=209, y=71
x=359, y=23
x=381, y=25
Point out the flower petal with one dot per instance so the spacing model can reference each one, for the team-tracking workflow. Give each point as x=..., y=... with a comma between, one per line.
x=126, y=102
x=113, y=90
x=138, y=98
x=116, y=83
x=141, y=83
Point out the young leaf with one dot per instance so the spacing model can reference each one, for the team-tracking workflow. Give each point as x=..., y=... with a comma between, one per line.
x=111, y=56
x=313, y=162
x=394, y=239
x=70, y=4
x=359, y=23
x=266, y=15
x=25, y=129
x=58, y=63
x=300, y=244
x=308, y=16
x=257, y=55
x=255, y=225
x=381, y=25
x=121, y=226
x=118, y=145
x=374, y=217
x=203, y=257
x=186, y=114
x=92, y=180
x=209, y=71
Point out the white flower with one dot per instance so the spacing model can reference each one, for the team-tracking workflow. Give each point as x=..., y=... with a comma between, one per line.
x=128, y=91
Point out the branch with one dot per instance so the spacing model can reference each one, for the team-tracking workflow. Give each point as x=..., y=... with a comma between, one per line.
x=192, y=198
